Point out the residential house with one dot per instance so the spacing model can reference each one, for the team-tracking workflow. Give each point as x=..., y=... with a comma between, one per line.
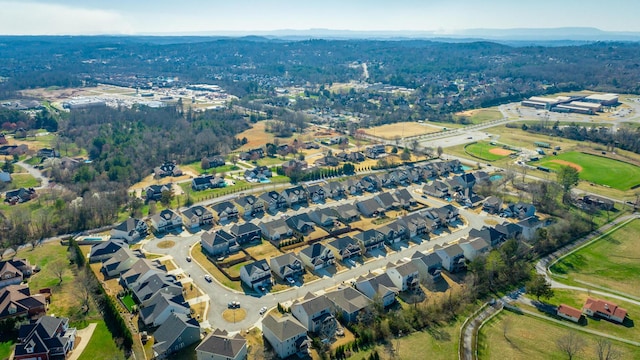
x=219, y=242
x=569, y=313
x=175, y=334
x=253, y=154
x=472, y=248
x=246, y=232
x=14, y=271
x=370, y=208
x=160, y=306
x=404, y=198
x=352, y=157
x=316, y=193
x=20, y=196
x=370, y=239
x=509, y=230
x=452, y=257
x=482, y=177
x=167, y=169
x=353, y=187
x=315, y=313
x=287, y=265
x=166, y=220
x=258, y=173
x=432, y=219
x=155, y=281
x=604, y=309
x=130, y=230
x=371, y=183
x=492, y=236
x=154, y=192
x=429, y=266
x=378, y=287
x=300, y=224
x=256, y=274
x=520, y=211
x=416, y=225
x=286, y=335
x=529, y=227
x=324, y=217
x=215, y=161
x=387, y=201
x=47, y=338
x=404, y=275
x=328, y=160
x=394, y=231
x=334, y=190
x=17, y=301
x=295, y=196
x=272, y=201
x=141, y=270
x=316, y=256
x=250, y=205
x=276, y=230
x=350, y=302
x=225, y=211
x=10, y=150
x=344, y=248
x=197, y=216
x=347, y=213
x=447, y=214
x=121, y=261
x=105, y=249
x=456, y=184
x=375, y=151
x=492, y=205
x=436, y=189
x=219, y=345
x=48, y=153
x=294, y=165
x=388, y=180
x=205, y=182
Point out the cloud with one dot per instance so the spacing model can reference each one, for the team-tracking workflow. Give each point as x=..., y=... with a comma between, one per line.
x=35, y=18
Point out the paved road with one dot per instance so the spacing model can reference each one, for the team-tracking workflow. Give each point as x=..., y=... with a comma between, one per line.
x=44, y=181
x=220, y=295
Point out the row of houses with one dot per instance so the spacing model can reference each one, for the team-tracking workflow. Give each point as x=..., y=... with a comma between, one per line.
x=158, y=294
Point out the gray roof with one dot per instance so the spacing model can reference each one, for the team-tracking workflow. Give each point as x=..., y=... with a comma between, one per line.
x=347, y=211
x=283, y=261
x=314, y=304
x=165, y=214
x=430, y=260
x=257, y=266
x=314, y=250
x=158, y=303
x=403, y=196
x=107, y=247
x=285, y=327
x=224, y=206
x=246, y=200
x=171, y=330
x=452, y=250
x=217, y=237
x=342, y=243
x=406, y=268
x=196, y=210
x=531, y=221
x=478, y=243
x=220, y=343
x=278, y=225
x=128, y=225
x=369, y=206
x=349, y=299
x=244, y=228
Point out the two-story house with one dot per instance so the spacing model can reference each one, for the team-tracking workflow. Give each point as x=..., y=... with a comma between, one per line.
x=246, y=232
x=370, y=239
x=219, y=345
x=315, y=313
x=316, y=256
x=256, y=275
x=218, y=242
x=166, y=220
x=250, y=205
x=47, y=338
x=452, y=257
x=344, y=248
x=287, y=266
x=225, y=211
x=404, y=275
x=130, y=230
x=197, y=216
x=286, y=335
x=275, y=230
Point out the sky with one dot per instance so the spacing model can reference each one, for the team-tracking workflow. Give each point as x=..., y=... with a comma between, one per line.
x=91, y=17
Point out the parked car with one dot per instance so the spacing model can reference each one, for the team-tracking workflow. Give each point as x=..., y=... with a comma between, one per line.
x=189, y=258
x=263, y=310
x=208, y=278
x=291, y=281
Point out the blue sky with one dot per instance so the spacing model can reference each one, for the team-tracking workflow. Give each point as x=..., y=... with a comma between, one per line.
x=179, y=16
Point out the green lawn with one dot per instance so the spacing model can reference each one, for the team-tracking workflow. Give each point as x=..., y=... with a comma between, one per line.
x=484, y=115
x=195, y=166
x=611, y=261
x=482, y=150
x=597, y=169
x=128, y=302
x=101, y=345
x=198, y=196
x=235, y=269
x=23, y=181
x=530, y=338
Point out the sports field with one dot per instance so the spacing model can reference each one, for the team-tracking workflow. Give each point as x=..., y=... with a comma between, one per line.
x=403, y=129
x=478, y=116
x=613, y=261
x=486, y=151
x=596, y=169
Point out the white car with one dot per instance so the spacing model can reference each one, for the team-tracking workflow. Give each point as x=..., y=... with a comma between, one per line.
x=208, y=278
x=263, y=310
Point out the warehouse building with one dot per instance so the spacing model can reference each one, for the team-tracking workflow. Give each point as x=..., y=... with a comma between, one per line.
x=602, y=99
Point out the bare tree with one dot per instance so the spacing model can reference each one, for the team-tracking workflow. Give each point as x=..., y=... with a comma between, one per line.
x=606, y=351
x=84, y=288
x=571, y=344
x=58, y=268
x=440, y=150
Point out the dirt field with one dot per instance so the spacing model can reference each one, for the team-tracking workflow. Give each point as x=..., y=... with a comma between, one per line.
x=568, y=163
x=391, y=131
x=501, y=152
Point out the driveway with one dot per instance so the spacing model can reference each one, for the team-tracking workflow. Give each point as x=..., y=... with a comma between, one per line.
x=85, y=336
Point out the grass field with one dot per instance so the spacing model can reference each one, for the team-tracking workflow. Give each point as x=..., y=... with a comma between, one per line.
x=101, y=345
x=613, y=261
x=23, y=181
x=403, y=129
x=5, y=349
x=530, y=338
x=597, y=169
x=486, y=151
x=235, y=269
x=128, y=302
x=478, y=116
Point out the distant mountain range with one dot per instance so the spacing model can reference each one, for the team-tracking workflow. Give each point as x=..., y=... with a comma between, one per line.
x=526, y=35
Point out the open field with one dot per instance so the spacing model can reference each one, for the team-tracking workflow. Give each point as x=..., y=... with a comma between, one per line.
x=101, y=345
x=266, y=250
x=612, y=262
x=23, y=181
x=597, y=169
x=486, y=151
x=531, y=338
x=478, y=116
x=403, y=129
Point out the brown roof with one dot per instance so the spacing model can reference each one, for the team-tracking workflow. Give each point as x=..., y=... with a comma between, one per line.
x=569, y=311
x=604, y=307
